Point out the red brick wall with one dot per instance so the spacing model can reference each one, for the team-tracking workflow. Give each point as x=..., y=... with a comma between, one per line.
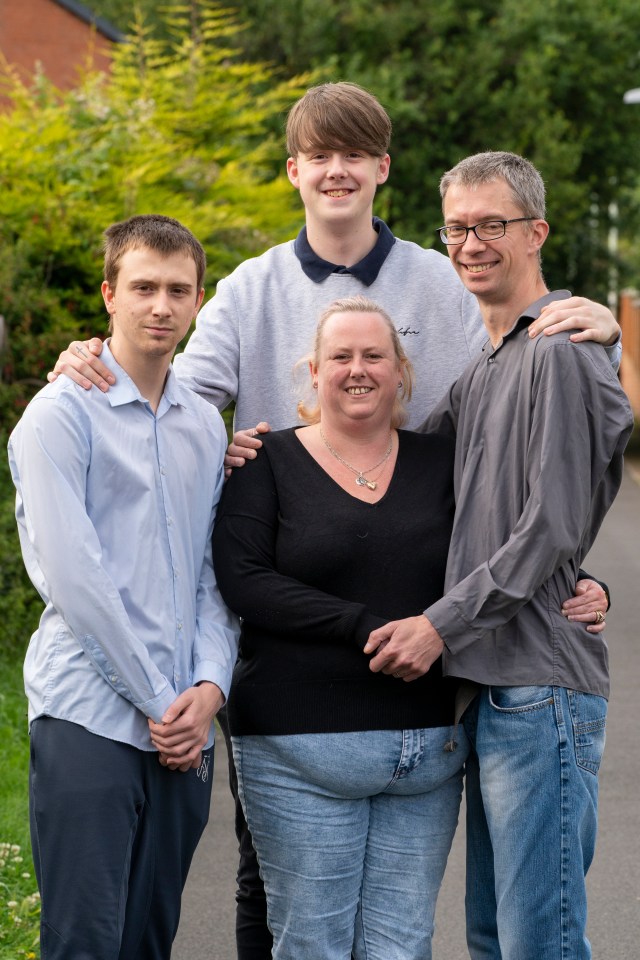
x=41, y=30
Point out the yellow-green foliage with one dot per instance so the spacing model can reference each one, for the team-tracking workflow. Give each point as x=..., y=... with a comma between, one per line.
x=180, y=127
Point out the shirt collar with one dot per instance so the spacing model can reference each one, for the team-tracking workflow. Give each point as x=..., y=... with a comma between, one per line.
x=366, y=270
x=534, y=309
x=124, y=389
x=532, y=312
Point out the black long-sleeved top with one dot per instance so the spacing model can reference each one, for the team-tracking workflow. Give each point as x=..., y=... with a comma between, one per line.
x=312, y=571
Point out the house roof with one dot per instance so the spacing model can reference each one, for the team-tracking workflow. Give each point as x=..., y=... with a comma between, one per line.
x=83, y=13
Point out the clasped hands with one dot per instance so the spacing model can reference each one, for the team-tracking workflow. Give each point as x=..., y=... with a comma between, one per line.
x=184, y=729
x=405, y=649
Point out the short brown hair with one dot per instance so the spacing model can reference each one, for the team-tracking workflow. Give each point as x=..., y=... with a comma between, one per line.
x=359, y=304
x=335, y=115
x=164, y=235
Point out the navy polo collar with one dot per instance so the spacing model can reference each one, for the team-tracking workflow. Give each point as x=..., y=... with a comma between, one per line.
x=366, y=270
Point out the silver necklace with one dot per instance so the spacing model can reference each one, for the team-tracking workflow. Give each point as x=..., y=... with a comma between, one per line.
x=361, y=480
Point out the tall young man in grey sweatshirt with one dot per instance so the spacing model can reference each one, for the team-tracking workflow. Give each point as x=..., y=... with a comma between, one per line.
x=262, y=318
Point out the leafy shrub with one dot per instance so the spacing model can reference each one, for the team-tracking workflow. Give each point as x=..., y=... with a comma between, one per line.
x=180, y=127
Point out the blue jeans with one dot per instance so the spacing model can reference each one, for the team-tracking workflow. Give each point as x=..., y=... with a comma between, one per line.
x=352, y=832
x=532, y=811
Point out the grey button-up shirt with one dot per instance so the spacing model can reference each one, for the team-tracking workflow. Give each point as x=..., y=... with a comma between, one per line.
x=541, y=427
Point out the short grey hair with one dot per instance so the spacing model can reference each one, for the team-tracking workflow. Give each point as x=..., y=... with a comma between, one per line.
x=526, y=184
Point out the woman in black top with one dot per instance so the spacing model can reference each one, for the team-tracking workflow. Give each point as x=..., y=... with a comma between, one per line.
x=349, y=778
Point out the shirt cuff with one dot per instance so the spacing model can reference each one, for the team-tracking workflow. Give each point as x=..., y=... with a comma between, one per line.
x=614, y=352
x=158, y=706
x=212, y=672
x=455, y=632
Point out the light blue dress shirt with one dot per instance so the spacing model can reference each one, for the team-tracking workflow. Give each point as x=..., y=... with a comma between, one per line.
x=115, y=509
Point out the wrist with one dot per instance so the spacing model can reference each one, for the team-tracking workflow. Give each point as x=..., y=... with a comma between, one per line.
x=212, y=693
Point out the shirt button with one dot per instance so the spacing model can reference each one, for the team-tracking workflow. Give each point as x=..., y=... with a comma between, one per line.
x=492, y=359
x=113, y=679
x=179, y=625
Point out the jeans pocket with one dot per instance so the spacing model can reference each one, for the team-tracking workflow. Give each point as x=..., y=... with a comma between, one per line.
x=589, y=719
x=520, y=699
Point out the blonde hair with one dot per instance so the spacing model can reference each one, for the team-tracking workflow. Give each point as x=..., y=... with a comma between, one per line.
x=310, y=412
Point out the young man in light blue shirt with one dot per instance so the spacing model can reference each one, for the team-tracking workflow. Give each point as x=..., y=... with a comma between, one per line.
x=132, y=658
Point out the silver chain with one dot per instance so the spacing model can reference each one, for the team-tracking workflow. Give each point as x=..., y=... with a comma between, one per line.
x=361, y=480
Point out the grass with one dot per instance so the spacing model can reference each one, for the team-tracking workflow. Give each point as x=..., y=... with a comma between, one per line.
x=19, y=903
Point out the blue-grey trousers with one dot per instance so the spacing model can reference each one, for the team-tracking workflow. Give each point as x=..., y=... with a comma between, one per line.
x=113, y=833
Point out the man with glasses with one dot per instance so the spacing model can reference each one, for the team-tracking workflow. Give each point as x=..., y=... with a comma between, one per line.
x=489, y=230
x=541, y=426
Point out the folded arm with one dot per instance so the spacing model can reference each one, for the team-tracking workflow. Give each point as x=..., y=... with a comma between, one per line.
x=552, y=528
x=571, y=483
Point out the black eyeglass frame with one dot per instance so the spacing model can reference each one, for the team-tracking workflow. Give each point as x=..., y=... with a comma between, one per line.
x=457, y=226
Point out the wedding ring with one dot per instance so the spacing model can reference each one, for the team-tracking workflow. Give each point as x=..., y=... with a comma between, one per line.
x=599, y=616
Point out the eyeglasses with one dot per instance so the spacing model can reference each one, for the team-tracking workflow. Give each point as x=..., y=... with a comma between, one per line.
x=488, y=230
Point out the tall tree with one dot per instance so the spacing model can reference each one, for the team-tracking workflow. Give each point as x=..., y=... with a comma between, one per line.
x=544, y=78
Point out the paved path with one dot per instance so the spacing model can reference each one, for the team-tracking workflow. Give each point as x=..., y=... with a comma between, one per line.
x=207, y=928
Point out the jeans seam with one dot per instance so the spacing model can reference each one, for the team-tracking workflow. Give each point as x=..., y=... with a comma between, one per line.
x=563, y=735
x=527, y=708
x=360, y=916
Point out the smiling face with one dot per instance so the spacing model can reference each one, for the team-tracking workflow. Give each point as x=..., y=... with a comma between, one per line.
x=357, y=371
x=154, y=301
x=503, y=272
x=337, y=186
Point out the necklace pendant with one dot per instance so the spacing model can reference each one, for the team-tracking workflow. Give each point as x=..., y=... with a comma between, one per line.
x=362, y=481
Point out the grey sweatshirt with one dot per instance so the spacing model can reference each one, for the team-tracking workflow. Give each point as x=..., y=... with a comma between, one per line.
x=262, y=320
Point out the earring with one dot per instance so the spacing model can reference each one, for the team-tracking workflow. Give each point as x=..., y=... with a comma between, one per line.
x=315, y=384
x=399, y=384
